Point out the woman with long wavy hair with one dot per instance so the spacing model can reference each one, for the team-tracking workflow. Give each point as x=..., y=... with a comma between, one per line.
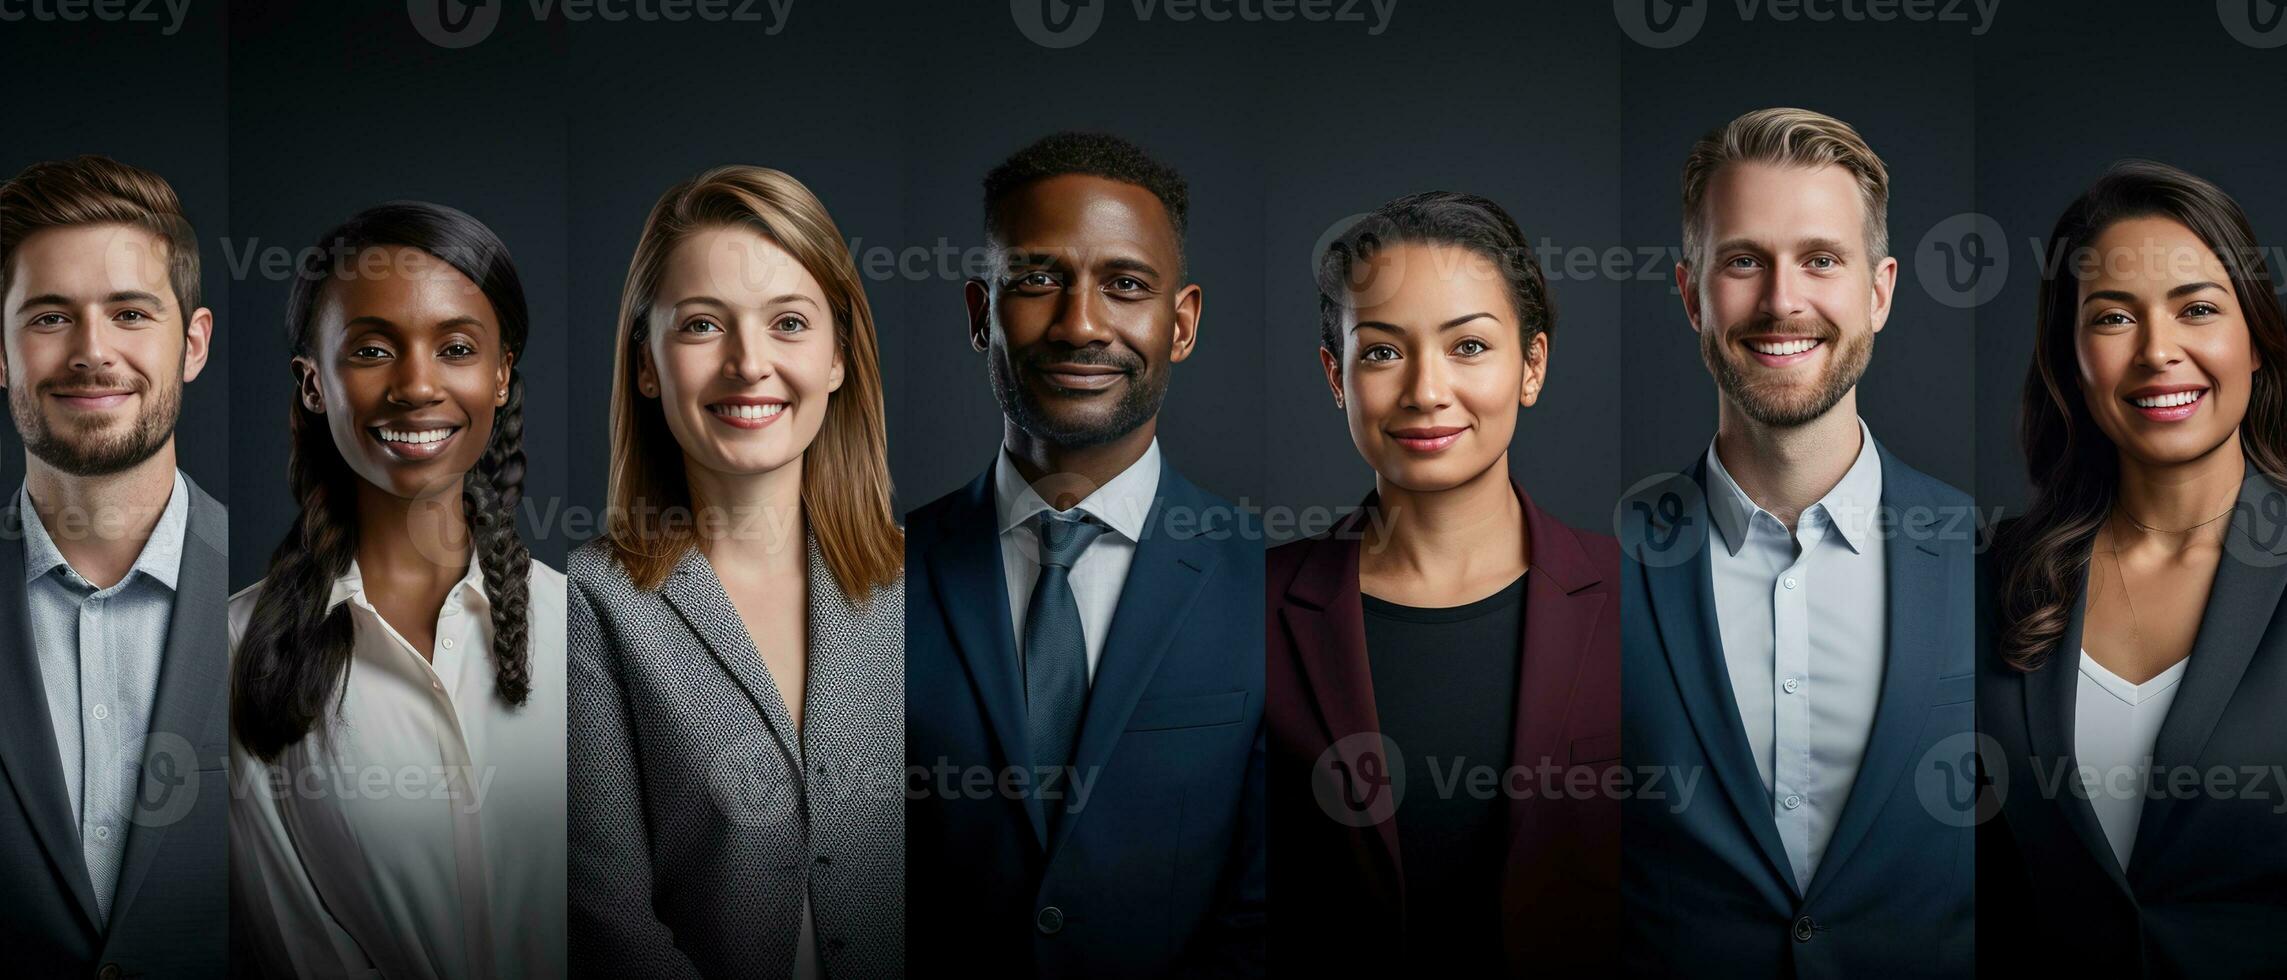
x=397, y=710
x=738, y=634
x=2134, y=674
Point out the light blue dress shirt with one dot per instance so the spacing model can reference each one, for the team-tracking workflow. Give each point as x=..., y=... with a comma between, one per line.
x=99, y=652
x=1803, y=617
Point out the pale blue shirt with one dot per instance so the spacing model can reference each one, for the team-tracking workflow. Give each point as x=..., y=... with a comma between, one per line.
x=99, y=652
x=1122, y=504
x=1803, y=617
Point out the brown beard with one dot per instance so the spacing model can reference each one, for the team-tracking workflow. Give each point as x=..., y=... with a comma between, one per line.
x=1784, y=406
x=85, y=453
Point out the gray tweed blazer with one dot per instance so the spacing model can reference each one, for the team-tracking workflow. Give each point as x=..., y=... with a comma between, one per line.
x=699, y=816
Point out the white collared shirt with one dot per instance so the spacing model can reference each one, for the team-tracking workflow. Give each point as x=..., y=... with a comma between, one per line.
x=2115, y=725
x=1804, y=618
x=1122, y=504
x=419, y=831
x=99, y=652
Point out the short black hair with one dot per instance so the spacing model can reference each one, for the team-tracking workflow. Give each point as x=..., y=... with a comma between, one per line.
x=1436, y=218
x=1094, y=155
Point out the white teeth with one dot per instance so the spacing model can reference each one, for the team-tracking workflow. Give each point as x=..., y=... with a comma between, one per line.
x=747, y=411
x=1782, y=348
x=2170, y=400
x=416, y=437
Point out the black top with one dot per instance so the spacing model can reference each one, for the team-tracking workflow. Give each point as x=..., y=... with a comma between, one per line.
x=1445, y=686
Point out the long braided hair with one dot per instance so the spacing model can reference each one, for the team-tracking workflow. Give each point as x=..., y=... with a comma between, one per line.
x=296, y=650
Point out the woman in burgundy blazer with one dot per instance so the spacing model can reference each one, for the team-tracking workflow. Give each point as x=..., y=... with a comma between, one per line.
x=1443, y=710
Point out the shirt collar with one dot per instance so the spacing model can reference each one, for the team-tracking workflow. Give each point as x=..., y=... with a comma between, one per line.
x=469, y=590
x=1850, y=506
x=162, y=555
x=1123, y=503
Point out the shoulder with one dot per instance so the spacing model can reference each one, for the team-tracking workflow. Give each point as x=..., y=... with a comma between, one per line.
x=924, y=521
x=241, y=610
x=1910, y=486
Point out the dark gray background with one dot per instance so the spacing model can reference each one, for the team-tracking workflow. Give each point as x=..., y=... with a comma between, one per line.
x=1906, y=87
x=334, y=108
x=2053, y=114
x=156, y=101
x=1515, y=102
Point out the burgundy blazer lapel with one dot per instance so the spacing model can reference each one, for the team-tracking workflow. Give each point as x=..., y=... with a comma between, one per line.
x=1561, y=610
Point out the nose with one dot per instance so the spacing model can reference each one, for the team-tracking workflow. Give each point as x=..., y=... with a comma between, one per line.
x=414, y=383
x=2156, y=345
x=1783, y=296
x=1079, y=319
x=1427, y=386
x=91, y=344
x=745, y=357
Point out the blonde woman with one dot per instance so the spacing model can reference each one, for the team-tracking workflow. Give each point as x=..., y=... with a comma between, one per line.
x=738, y=678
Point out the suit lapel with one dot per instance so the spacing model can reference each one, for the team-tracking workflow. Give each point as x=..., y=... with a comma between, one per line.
x=698, y=596
x=1917, y=577
x=1170, y=566
x=1683, y=605
x=2050, y=692
x=972, y=590
x=2249, y=580
x=193, y=681
x=27, y=735
x=1327, y=619
x=1560, y=619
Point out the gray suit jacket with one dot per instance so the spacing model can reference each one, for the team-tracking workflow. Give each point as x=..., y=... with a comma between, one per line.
x=698, y=814
x=170, y=914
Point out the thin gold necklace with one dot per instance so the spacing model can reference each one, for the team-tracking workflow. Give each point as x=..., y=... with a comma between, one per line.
x=2135, y=627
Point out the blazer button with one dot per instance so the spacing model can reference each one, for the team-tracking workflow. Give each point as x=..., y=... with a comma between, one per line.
x=1050, y=920
x=1803, y=927
x=110, y=971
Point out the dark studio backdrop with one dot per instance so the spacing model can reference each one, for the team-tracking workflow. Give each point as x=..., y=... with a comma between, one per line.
x=155, y=99
x=1515, y=102
x=2049, y=122
x=1906, y=87
x=337, y=107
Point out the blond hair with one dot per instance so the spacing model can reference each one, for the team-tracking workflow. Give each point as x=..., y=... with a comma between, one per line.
x=845, y=471
x=1789, y=138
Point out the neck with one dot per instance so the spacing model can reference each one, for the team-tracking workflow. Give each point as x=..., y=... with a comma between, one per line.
x=1093, y=466
x=421, y=543
x=749, y=519
x=1476, y=524
x=1785, y=469
x=101, y=523
x=2174, y=500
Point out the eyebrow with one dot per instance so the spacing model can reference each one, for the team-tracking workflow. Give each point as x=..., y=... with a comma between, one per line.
x=1054, y=259
x=122, y=296
x=2124, y=296
x=384, y=323
x=778, y=300
x=1814, y=244
x=1442, y=327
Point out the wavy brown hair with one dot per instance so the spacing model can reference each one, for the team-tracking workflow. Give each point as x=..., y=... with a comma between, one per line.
x=845, y=470
x=2073, y=467
x=296, y=651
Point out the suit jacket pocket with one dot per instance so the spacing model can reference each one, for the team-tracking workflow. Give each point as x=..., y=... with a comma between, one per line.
x=1955, y=689
x=1595, y=748
x=1198, y=711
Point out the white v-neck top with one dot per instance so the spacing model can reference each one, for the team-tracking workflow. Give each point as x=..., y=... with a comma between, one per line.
x=2115, y=724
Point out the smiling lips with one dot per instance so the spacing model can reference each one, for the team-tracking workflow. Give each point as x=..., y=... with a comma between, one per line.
x=747, y=413
x=1081, y=377
x=1776, y=351
x=93, y=399
x=1428, y=438
x=2167, y=403
x=415, y=440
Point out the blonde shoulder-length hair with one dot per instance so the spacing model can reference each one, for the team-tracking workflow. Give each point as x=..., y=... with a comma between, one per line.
x=845, y=471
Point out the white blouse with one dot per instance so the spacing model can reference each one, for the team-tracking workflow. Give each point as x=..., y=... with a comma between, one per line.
x=2115, y=724
x=418, y=832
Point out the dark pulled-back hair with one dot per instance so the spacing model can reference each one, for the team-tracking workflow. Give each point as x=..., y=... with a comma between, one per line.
x=296, y=650
x=1435, y=218
x=2073, y=467
x=1094, y=155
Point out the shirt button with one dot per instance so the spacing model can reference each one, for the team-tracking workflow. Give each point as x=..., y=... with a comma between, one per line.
x=1791, y=685
x=101, y=712
x=1789, y=582
x=437, y=684
x=448, y=643
x=1792, y=801
x=102, y=832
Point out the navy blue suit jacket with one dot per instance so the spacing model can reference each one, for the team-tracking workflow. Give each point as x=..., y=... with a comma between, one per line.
x=1706, y=884
x=1160, y=871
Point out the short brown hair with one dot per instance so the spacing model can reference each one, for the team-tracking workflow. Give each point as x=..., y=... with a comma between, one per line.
x=845, y=470
x=1786, y=137
x=97, y=190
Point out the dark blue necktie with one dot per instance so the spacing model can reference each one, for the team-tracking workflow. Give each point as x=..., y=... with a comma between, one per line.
x=1055, y=651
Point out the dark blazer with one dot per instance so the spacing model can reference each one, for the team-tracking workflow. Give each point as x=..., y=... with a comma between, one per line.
x=1341, y=889
x=2205, y=894
x=699, y=815
x=1161, y=871
x=170, y=916
x=1706, y=884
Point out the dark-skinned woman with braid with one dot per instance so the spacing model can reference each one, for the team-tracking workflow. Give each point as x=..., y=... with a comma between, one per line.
x=398, y=701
